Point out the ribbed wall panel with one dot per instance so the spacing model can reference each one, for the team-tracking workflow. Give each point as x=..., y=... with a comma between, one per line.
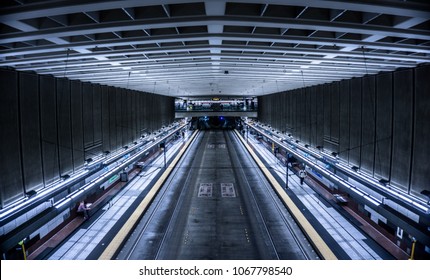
x=113, y=131
x=383, y=132
x=355, y=123
x=327, y=111
x=368, y=126
x=105, y=119
x=334, y=116
x=313, y=117
x=344, y=116
x=97, y=120
x=379, y=123
x=49, y=126
x=88, y=121
x=11, y=177
x=49, y=133
x=64, y=127
x=402, y=128
x=31, y=149
x=421, y=148
x=119, y=117
x=320, y=116
x=77, y=124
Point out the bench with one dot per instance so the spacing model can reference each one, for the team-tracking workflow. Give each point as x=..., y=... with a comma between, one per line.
x=340, y=199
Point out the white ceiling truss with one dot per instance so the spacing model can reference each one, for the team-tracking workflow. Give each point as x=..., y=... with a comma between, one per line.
x=197, y=48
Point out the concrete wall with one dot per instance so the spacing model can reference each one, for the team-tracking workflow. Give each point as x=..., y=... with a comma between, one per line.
x=50, y=126
x=379, y=123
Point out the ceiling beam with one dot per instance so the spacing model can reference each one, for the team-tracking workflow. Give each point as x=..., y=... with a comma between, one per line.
x=223, y=36
x=405, y=8
x=303, y=24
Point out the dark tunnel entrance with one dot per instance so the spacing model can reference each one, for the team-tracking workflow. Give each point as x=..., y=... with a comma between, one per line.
x=215, y=122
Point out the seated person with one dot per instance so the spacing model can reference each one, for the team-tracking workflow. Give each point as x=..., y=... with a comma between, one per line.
x=82, y=208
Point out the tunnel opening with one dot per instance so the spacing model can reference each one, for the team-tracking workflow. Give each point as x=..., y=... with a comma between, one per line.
x=215, y=122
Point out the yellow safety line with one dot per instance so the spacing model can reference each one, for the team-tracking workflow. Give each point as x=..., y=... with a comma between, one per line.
x=118, y=240
x=316, y=239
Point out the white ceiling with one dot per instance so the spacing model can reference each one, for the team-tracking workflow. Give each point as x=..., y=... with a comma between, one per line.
x=196, y=48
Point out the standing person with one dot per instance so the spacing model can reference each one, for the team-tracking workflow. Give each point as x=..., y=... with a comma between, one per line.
x=302, y=175
x=82, y=208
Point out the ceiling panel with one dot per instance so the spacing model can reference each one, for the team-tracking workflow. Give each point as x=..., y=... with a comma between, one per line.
x=188, y=48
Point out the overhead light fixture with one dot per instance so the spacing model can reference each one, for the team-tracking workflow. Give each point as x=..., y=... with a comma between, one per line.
x=62, y=203
x=371, y=200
